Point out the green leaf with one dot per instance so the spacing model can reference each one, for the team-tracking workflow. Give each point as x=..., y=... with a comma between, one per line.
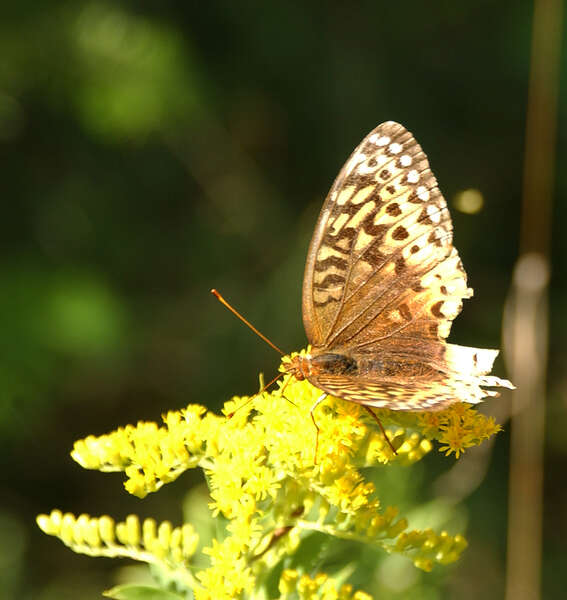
x=141, y=592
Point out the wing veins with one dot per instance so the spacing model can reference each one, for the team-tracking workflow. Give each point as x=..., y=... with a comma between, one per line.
x=352, y=263
x=379, y=297
x=396, y=253
x=344, y=299
x=376, y=152
x=389, y=335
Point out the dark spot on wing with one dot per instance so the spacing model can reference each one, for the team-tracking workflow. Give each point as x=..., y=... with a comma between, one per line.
x=329, y=280
x=436, y=309
x=405, y=311
x=400, y=266
x=400, y=233
x=394, y=209
x=331, y=261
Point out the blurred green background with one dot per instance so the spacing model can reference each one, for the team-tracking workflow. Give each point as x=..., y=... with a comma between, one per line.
x=151, y=151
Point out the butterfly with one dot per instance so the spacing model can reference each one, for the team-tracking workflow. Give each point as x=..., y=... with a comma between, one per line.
x=382, y=285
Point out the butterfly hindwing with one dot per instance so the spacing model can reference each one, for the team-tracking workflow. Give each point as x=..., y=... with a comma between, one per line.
x=408, y=384
x=386, y=394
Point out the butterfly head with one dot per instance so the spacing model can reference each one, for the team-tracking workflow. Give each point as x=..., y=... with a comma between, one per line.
x=299, y=366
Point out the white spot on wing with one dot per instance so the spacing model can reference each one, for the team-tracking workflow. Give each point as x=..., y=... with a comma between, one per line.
x=451, y=308
x=413, y=176
x=382, y=141
x=443, y=330
x=433, y=213
x=405, y=160
x=423, y=193
x=395, y=148
x=365, y=168
x=355, y=160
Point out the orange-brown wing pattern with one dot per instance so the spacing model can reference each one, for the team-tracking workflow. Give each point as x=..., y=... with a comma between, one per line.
x=394, y=395
x=381, y=265
x=431, y=394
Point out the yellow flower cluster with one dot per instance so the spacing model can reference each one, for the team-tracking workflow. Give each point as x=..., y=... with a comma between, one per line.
x=163, y=545
x=150, y=455
x=270, y=488
x=320, y=587
x=457, y=428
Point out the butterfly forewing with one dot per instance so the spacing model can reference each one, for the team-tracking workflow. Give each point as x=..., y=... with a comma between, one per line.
x=381, y=263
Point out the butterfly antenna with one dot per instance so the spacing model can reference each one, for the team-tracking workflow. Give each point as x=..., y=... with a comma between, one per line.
x=246, y=322
x=230, y=415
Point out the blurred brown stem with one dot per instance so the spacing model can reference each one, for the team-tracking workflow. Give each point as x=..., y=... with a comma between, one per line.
x=525, y=328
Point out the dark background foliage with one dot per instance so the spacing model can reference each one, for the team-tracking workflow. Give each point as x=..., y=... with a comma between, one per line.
x=151, y=151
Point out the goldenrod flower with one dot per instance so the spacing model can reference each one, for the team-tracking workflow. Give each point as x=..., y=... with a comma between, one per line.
x=163, y=546
x=321, y=586
x=269, y=488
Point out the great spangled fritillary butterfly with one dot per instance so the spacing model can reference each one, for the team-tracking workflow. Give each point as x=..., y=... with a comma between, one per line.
x=382, y=285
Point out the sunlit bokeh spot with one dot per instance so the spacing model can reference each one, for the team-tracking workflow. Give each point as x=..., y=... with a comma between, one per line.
x=469, y=201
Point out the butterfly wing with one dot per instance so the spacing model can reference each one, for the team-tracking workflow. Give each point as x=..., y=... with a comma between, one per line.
x=381, y=264
x=433, y=391
x=383, y=279
x=388, y=394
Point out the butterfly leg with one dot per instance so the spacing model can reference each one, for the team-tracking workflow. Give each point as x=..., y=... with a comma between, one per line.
x=381, y=429
x=283, y=390
x=317, y=402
